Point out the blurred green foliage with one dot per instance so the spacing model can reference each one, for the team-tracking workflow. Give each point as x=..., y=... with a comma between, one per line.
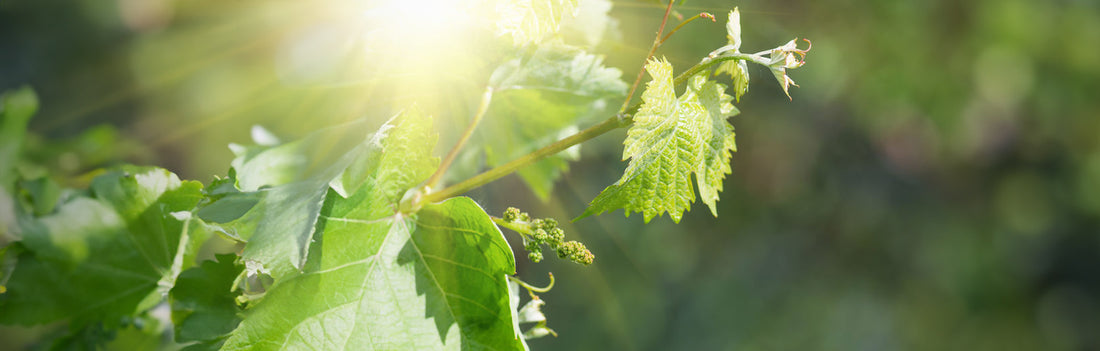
x=935, y=185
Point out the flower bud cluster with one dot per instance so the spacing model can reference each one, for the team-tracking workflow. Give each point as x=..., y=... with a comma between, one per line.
x=576, y=252
x=545, y=231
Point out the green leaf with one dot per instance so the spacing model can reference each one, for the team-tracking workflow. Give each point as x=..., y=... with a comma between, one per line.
x=275, y=193
x=671, y=139
x=529, y=21
x=539, y=99
x=738, y=70
x=715, y=163
x=433, y=281
x=41, y=194
x=733, y=29
x=203, y=304
x=112, y=253
x=381, y=280
x=16, y=109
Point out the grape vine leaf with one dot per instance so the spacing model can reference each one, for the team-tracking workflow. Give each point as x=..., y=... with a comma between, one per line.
x=529, y=21
x=112, y=253
x=433, y=281
x=671, y=139
x=204, y=309
x=274, y=193
x=16, y=109
x=552, y=89
x=378, y=279
x=738, y=70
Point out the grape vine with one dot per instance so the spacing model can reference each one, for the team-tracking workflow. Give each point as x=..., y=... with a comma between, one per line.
x=350, y=238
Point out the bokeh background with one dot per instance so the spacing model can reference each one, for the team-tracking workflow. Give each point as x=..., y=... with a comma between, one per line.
x=933, y=185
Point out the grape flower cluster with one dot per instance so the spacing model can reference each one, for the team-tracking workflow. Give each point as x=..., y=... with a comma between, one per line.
x=544, y=231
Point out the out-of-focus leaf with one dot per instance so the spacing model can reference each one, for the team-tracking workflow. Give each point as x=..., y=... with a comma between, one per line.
x=16, y=108
x=42, y=194
x=591, y=24
x=110, y=254
x=540, y=99
x=529, y=21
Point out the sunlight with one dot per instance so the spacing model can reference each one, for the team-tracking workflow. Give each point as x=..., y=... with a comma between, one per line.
x=413, y=26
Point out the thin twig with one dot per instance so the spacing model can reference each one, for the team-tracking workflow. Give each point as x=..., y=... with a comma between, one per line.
x=682, y=24
x=652, y=50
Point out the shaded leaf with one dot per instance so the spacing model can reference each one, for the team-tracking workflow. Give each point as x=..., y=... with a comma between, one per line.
x=16, y=109
x=203, y=303
x=109, y=254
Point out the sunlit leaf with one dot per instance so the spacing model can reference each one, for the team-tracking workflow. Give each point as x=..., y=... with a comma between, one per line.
x=529, y=21
x=738, y=70
x=733, y=29
x=436, y=281
x=275, y=193
x=671, y=139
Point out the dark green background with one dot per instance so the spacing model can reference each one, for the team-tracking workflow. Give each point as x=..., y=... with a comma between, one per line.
x=934, y=185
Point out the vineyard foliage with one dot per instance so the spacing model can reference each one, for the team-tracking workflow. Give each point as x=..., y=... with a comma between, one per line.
x=335, y=247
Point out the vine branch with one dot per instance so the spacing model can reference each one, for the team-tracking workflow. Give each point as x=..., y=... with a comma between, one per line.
x=618, y=121
x=514, y=165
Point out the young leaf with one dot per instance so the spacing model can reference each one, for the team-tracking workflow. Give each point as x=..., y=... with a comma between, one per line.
x=107, y=255
x=716, y=155
x=738, y=70
x=539, y=98
x=671, y=139
x=733, y=29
